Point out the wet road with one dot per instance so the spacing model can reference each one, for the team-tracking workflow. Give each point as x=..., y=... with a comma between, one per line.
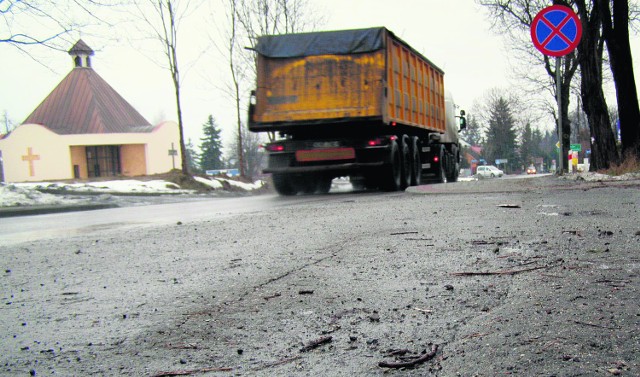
x=59, y=225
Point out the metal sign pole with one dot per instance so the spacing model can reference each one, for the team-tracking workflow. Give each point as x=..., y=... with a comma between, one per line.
x=559, y=97
x=556, y=31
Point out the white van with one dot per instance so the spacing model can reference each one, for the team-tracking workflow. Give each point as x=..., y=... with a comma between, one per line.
x=488, y=171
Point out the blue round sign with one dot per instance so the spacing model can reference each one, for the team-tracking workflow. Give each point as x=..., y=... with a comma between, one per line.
x=556, y=30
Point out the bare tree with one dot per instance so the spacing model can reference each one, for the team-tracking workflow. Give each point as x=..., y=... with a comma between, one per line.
x=616, y=35
x=9, y=125
x=163, y=17
x=254, y=155
x=31, y=24
x=237, y=74
x=513, y=18
x=19, y=16
x=248, y=19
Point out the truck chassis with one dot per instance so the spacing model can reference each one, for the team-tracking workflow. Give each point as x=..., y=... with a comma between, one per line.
x=388, y=162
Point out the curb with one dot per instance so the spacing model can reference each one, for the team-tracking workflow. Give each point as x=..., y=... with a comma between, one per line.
x=41, y=210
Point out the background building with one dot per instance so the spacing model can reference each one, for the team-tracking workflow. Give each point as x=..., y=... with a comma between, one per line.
x=84, y=129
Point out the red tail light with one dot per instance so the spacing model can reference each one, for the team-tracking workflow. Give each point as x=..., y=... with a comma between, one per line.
x=275, y=147
x=374, y=142
x=436, y=159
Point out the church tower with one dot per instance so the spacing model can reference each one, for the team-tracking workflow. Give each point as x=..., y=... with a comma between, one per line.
x=81, y=54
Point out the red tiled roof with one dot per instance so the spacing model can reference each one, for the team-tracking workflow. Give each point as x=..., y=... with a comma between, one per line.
x=84, y=103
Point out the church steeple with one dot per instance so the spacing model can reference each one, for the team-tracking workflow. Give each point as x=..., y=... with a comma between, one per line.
x=81, y=54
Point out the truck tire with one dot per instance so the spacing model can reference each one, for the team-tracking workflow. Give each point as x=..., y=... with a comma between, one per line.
x=456, y=172
x=323, y=185
x=452, y=176
x=391, y=177
x=357, y=182
x=441, y=176
x=284, y=185
x=416, y=162
x=307, y=184
x=406, y=168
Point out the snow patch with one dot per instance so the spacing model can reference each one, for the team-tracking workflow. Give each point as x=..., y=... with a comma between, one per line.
x=29, y=193
x=598, y=177
x=14, y=196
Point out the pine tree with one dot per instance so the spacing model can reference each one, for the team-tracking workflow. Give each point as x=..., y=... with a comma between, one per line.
x=548, y=149
x=501, y=135
x=192, y=157
x=528, y=146
x=211, y=146
x=473, y=133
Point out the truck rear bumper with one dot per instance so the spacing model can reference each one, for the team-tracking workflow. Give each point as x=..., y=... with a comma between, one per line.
x=345, y=168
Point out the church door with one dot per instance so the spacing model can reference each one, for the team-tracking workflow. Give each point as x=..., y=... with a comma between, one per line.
x=103, y=161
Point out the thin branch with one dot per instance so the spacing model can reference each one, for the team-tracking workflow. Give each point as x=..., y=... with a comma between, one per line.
x=408, y=364
x=501, y=272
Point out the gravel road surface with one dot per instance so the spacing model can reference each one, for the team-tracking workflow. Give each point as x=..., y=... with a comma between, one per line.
x=531, y=277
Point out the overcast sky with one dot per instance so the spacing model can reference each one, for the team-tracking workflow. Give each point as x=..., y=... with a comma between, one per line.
x=454, y=35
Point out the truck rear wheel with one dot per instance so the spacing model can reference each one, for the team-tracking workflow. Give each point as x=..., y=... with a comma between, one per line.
x=455, y=173
x=284, y=184
x=416, y=162
x=406, y=170
x=391, y=177
x=323, y=185
x=307, y=184
x=441, y=176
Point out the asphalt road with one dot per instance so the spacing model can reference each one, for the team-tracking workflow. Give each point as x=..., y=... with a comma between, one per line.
x=140, y=211
x=529, y=277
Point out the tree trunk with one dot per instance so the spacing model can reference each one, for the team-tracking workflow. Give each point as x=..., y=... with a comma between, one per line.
x=616, y=35
x=565, y=93
x=603, y=146
x=183, y=148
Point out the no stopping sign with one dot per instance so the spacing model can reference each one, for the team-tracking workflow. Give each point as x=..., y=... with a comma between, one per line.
x=556, y=30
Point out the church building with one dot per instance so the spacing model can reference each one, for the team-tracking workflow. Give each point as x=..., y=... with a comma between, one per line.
x=84, y=129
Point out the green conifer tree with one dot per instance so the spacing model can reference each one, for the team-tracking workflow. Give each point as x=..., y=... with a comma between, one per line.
x=210, y=146
x=501, y=134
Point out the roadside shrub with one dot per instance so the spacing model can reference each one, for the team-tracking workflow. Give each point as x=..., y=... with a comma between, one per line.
x=631, y=164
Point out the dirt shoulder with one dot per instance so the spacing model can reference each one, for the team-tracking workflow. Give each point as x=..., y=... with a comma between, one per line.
x=548, y=285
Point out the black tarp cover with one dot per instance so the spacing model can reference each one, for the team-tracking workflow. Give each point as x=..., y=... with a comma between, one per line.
x=341, y=42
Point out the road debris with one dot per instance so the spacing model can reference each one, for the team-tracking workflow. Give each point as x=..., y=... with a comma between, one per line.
x=501, y=272
x=402, y=233
x=278, y=294
x=190, y=372
x=316, y=343
x=412, y=362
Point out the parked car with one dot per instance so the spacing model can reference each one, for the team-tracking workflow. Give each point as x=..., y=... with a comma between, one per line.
x=488, y=171
x=531, y=170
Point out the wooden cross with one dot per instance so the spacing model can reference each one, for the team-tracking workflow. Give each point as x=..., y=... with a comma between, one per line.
x=173, y=153
x=31, y=157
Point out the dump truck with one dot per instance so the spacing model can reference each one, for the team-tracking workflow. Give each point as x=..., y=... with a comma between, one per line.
x=359, y=103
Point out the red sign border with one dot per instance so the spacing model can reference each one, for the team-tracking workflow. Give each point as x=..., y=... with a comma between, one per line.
x=571, y=15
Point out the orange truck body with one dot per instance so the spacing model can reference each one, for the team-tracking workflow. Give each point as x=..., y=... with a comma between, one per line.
x=358, y=103
x=389, y=85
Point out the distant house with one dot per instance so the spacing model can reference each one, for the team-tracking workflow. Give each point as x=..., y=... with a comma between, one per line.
x=84, y=129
